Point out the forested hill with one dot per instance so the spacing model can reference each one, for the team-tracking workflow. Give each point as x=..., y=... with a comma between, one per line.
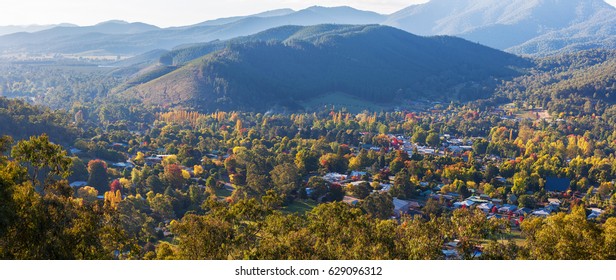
x=568, y=80
x=21, y=120
x=295, y=64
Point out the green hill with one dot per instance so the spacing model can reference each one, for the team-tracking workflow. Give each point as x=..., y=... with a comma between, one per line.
x=289, y=66
x=588, y=74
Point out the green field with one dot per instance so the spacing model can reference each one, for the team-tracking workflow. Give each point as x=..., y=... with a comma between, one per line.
x=223, y=193
x=342, y=100
x=300, y=206
x=517, y=238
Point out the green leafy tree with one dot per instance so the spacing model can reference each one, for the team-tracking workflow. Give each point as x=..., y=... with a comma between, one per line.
x=39, y=153
x=98, y=178
x=359, y=190
x=318, y=186
x=563, y=237
x=285, y=178
x=154, y=184
x=402, y=187
x=173, y=176
x=378, y=205
x=203, y=237
x=433, y=139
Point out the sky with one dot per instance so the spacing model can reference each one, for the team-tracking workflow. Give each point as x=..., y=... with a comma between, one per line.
x=165, y=13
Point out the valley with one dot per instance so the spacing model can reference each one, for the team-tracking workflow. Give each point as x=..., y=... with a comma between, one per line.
x=449, y=130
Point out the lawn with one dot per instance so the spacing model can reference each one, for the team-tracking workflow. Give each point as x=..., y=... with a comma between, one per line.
x=223, y=193
x=517, y=238
x=343, y=100
x=300, y=206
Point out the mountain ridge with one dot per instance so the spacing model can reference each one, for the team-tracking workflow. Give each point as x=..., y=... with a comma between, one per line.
x=526, y=27
x=508, y=25
x=319, y=60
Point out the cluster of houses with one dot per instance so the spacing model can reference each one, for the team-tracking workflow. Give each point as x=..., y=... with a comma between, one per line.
x=450, y=146
x=493, y=207
x=355, y=177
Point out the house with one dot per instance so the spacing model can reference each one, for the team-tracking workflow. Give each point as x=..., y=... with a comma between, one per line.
x=466, y=203
x=453, y=194
x=552, y=207
x=309, y=191
x=124, y=165
x=456, y=150
x=414, y=204
x=554, y=201
x=501, y=179
x=497, y=201
x=507, y=208
x=401, y=206
x=385, y=187
x=357, y=183
x=350, y=200
x=427, y=151
x=409, y=152
x=426, y=193
x=334, y=177
x=118, y=145
x=486, y=207
x=542, y=212
x=151, y=161
x=477, y=199
x=524, y=211
x=450, y=250
x=555, y=184
x=78, y=184
x=595, y=213
x=163, y=156
x=211, y=156
x=450, y=254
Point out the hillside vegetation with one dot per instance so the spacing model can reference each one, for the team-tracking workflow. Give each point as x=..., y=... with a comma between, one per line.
x=288, y=65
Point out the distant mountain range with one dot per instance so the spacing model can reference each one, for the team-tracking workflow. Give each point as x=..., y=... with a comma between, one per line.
x=291, y=66
x=5, y=30
x=104, y=39
x=532, y=27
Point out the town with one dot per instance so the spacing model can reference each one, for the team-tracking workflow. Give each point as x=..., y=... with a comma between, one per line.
x=390, y=165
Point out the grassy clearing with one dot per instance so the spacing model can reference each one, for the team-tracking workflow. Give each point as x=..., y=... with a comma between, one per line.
x=300, y=206
x=534, y=115
x=516, y=236
x=223, y=193
x=342, y=100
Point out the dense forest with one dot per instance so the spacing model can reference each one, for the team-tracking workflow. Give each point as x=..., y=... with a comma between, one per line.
x=288, y=66
x=582, y=76
x=21, y=120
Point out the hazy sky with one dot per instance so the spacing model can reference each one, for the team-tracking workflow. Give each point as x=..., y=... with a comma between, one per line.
x=166, y=13
x=163, y=13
